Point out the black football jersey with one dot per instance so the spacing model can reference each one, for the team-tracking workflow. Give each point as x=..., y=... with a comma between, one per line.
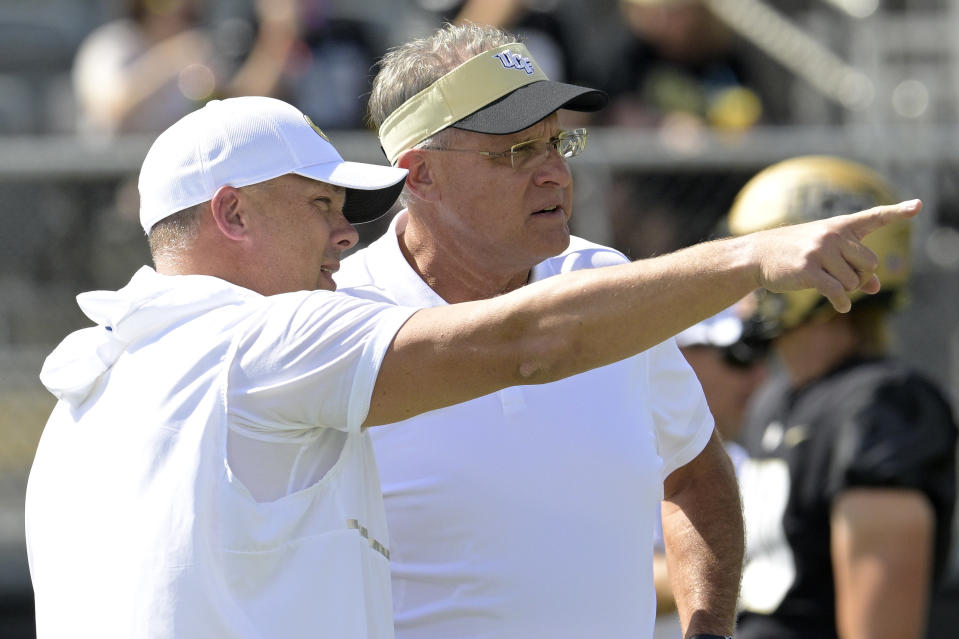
x=867, y=423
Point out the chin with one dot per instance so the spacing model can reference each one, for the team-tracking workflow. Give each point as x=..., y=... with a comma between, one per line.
x=559, y=242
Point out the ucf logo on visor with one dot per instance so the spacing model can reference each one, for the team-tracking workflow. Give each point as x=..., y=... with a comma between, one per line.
x=512, y=60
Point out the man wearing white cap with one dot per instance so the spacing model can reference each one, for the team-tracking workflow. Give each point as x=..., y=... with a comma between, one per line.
x=530, y=512
x=206, y=471
x=184, y=486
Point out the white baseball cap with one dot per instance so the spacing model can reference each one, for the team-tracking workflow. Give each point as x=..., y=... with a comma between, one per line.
x=247, y=140
x=721, y=330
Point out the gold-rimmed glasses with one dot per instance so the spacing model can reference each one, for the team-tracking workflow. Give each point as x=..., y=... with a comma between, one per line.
x=531, y=154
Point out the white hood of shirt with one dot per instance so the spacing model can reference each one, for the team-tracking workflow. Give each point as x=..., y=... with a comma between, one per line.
x=148, y=305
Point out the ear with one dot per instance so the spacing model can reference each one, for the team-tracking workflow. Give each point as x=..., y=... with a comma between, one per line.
x=421, y=181
x=228, y=214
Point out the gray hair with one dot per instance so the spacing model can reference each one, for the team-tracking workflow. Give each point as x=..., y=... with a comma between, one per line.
x=409, y=68
x=175, y=233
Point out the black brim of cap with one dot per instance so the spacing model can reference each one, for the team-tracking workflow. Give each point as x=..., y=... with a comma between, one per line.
x=527, y=105
x=367, y=205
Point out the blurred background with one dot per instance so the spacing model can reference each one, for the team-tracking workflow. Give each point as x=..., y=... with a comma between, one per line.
x=704, y=94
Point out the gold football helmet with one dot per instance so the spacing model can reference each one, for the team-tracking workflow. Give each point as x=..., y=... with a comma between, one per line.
x=808, y=188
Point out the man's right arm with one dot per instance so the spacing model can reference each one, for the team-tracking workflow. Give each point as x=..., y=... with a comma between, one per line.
x=574, y=322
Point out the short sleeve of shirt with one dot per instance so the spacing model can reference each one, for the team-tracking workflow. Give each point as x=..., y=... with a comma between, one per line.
x=309, y=360
x=683, y=421
x=897, y=434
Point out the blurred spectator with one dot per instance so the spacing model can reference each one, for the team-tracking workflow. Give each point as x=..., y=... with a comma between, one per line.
x=539, y=24
x=332, y=68
x=730, y=366
x=142, y=72
x=850, y=485
x=673, y=66
x=678, y=65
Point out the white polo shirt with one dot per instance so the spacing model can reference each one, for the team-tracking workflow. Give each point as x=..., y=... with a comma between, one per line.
x=204, y=473
x=530, y=512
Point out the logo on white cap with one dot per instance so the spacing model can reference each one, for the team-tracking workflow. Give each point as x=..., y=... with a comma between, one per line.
x=313, y=126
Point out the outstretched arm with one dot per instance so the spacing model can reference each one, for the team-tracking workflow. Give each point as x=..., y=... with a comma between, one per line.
x=578, y=321
x=703, y=532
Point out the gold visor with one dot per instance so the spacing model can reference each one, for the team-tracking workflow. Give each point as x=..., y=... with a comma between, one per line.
x=466, y=89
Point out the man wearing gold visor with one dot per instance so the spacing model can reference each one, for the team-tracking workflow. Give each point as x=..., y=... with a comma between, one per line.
x=529, y=512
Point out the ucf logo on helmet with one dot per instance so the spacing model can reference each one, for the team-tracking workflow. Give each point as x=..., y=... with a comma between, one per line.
x=512, y=60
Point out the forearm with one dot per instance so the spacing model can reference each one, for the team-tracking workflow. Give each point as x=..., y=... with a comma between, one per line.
x=703, y=529
x=553, y=329
x=574, y=322
x=605, y=316
x=263, y=69
x=665, y=602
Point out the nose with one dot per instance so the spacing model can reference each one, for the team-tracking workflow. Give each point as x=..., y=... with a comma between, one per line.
x=344, y=234
x=554, y=172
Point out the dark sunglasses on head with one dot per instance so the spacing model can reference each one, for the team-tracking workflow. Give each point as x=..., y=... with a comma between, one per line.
x=744, y=353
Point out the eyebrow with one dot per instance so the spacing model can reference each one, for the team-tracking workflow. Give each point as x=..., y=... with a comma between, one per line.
x=325, y=188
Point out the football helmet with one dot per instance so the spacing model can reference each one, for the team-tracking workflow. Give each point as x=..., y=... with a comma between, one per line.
x=809, y=188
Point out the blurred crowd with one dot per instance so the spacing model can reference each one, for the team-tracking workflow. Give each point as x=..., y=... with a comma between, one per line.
x=667, y=63
x=139, y=65
x=103, y=71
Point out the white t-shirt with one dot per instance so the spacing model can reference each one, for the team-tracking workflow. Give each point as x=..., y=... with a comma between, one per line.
x=530, y=512
x=204, y=473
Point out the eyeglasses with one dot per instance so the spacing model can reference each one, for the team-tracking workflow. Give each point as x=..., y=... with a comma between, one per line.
x=533, y=153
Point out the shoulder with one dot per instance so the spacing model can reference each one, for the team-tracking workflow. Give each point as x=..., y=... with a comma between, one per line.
x=580, y=254
x=877, y=409
x=313, y=320
x=883, y=382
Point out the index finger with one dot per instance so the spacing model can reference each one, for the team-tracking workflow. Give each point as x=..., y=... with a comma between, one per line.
x=865, y=222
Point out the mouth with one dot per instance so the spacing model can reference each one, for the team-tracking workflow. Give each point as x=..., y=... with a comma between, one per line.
x=325, y=280
x=549, y=210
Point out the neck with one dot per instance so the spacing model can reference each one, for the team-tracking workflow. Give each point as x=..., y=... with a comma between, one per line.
x=208, y=262
x=815, y=348
x=454, y=270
